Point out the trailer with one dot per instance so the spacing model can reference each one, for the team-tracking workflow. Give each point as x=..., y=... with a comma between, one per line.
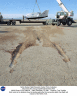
x=9, y=22
x=13, y=21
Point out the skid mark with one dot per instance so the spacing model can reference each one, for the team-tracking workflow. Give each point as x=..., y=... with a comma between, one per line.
x=19, y=49
x=14, y=53
x=31, y=37
x=61, y=52
x=30, y=41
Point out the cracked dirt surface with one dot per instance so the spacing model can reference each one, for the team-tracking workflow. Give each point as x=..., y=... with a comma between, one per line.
x=41, y=55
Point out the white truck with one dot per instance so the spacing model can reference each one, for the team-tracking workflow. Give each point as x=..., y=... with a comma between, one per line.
x=64, y=16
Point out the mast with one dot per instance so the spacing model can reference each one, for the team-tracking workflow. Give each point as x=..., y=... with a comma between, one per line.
x=62, y=5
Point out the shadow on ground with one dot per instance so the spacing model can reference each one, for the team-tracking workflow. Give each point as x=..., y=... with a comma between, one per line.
x=3, y=31
x=73, y=26
x=26, y=25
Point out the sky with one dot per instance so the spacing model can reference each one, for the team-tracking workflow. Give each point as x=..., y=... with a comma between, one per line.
x=18, y=8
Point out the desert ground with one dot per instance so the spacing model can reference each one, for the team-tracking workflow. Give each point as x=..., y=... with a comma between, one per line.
x=38, y=55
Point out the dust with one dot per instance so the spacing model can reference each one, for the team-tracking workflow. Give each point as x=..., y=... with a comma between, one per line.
x=7, y=38
x=51, y=31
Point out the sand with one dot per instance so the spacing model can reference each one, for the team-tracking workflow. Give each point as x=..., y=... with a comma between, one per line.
x=40, y=55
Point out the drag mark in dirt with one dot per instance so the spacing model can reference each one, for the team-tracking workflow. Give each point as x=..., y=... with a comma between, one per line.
x=32, y=36
x=61, y=52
